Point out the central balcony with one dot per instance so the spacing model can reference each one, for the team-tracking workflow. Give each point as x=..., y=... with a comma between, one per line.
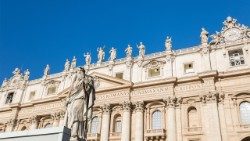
x=155, y=135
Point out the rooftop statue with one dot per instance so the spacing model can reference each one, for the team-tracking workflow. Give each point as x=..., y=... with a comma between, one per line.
x=26, y=75
x=128, y=51
x=112, y=54
x=168, y=44
x=46, y=70
x=79, y=105
x=204, y=36
x=73, y=63
x=141, y=48
x=67, y=65
x=87, y=58
x=101, y=55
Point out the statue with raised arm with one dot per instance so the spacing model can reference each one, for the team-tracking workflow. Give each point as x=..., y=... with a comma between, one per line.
x=141, y=48
x=87, y=58
x=79, y=105
x=101, y=55
x=112, y=54
x=128, y=51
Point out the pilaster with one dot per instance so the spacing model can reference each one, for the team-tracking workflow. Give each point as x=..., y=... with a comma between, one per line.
x=105, y=123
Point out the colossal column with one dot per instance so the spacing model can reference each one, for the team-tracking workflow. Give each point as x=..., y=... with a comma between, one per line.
x=139, y=121
x=211, y=121
x=105, y=123
x=126, y=121
x=171, y=119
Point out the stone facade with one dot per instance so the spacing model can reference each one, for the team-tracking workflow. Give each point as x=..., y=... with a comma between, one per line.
x=200, y=93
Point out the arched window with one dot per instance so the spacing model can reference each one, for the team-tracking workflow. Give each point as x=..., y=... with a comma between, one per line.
x=23, y=128
x=94, y=125
x=193, y=117
x=245, y=112
x=156, y=120
x=117, y=124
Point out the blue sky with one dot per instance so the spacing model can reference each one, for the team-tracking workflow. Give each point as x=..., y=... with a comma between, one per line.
x=34, y=33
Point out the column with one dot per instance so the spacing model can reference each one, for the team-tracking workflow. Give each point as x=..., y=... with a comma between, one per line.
x=105, y=123
x=171, y=119
x=210, y=117
x=56, y=119
x=126, y=121
x=34, y=122
x=139, y=108
x=178, y=120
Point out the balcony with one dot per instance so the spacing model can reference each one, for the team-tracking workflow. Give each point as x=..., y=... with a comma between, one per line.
x=193, y=131
x=155, y=134
x=93, y=137
x=115, y=136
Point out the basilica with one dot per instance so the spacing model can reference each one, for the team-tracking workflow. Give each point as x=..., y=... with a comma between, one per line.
x=199, y=93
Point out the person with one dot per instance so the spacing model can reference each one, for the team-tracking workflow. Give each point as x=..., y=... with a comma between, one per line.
x=128, y=51
x=79, y=104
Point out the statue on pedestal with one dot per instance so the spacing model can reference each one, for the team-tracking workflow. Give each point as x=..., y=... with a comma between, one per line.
x=112, y=54
x=87, y=58
x=79, y=105
x=101, y=55
x=141, y=48
x=128, y=51
x=46, y=70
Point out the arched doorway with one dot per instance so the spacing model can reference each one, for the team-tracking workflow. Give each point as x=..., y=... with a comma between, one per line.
x=246, y=139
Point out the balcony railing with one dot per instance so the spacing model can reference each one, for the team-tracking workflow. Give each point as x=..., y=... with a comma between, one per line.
x=93, y=136
x=155, y=134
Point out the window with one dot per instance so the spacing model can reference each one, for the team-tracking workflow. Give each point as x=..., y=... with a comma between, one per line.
x=245, y=112
x=154, y=72
x=52, y=90
x=9, y=98
x=32, y=95
x=188, y=68
x=236, y=57
x=156, y=120
x=94, y=125
x=192, y=117
x=118, y=124
x=119, y=75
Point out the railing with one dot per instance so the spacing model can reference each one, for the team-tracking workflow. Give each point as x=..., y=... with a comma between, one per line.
x=194, y=129
x=93, y=136
x=152, y=134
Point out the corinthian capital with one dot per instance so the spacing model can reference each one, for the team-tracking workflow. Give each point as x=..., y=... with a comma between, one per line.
x=171, y=101
x=126, y=106
x=139, y=106
x=210, y=97
x=106, y=108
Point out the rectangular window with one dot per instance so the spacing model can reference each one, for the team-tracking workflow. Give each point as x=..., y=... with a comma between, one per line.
x=9, y=98
x=236, y=57
x=189, y=68
x=51, y=90
x=32, y=95
x=119, y=75
x=154, y=72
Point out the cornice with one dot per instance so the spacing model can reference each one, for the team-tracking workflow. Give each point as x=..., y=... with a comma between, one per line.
x=234, y=73
x=170, y=80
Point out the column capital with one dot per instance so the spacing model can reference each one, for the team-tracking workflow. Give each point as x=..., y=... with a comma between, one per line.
x=171, y=101
x=212, y=96
x=106, y=108
x=126, y=106
x=56, y=116
x=139, y=106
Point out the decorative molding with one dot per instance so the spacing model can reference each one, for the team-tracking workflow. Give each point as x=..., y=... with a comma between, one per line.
x=139, y=106
x=106, y=109
x=126, y=106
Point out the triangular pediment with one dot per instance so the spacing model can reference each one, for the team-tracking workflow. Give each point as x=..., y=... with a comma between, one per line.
x=105, y=82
